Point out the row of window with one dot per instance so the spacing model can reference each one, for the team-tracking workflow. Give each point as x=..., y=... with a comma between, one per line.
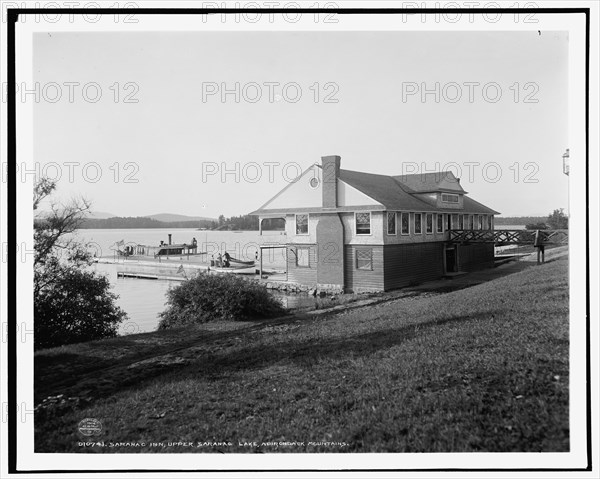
x=420, y=222
x=443, y=222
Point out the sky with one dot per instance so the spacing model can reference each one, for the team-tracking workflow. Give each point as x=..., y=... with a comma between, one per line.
x=185, y=148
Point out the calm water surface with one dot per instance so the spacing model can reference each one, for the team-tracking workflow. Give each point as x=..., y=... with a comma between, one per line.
x=143, y=299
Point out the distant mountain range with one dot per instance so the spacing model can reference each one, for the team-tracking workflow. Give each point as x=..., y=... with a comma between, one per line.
x=170, y=217
x=163, y=217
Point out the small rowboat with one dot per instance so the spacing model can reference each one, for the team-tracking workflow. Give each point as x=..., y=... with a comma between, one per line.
x=236, y=262
x=236, y=269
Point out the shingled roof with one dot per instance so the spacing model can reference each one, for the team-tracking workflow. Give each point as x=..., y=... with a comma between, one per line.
x=429, y=182
x=398, y=192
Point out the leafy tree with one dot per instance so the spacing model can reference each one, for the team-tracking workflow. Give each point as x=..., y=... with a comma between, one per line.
x=71, y=302
x=558, y=220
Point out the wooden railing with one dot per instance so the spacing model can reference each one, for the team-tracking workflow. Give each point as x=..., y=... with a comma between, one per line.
x=506, y=237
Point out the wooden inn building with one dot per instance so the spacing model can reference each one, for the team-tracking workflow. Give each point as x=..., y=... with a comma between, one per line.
x=354, y=231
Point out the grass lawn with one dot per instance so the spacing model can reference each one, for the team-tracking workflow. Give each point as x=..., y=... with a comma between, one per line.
x=480, y=369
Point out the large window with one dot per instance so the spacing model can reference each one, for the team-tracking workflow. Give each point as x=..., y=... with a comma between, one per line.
x=391, y=223
x=479, y=222
x=440, y=223
x=301, y=224
x=429, y=223
x=418, y=225
x=471, y=223
x=404, y=223
x=448, y=222
x=490, y=224
x=461, y=223
x=303, y=257
x=449, y=198
x=363, y=223
x=364, y=259
x=466, y=222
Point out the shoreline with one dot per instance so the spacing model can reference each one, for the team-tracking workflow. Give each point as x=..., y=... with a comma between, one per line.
x=434, y=342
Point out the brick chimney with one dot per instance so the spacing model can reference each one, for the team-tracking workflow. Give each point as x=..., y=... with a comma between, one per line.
x=331, y=173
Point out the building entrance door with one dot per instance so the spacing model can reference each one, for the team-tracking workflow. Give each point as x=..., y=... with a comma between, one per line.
x=450, y=260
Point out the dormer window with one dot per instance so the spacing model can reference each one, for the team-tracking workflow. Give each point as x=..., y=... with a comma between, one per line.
x=449, y=198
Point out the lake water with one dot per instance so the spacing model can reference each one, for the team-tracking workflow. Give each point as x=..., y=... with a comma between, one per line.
x=143, y=299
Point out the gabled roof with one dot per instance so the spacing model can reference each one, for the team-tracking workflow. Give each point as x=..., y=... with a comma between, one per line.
x=386, y=190
x=429, y=182
x=397, y=193
x=472, y=206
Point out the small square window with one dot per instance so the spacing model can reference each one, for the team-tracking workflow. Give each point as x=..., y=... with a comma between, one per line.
x=364, y=259
x=363, y=223
x=301, y=224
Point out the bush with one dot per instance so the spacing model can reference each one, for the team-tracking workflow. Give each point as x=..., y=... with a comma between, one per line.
x=211, y=297
x=75, y=306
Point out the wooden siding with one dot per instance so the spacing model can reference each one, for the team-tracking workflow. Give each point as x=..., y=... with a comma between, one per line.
x=302, y=274
x=407, y=264
x=473, y=257
x=362, y=280
x=377, y=228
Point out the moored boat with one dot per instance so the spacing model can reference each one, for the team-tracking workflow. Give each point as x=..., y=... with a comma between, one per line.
x=235, y=269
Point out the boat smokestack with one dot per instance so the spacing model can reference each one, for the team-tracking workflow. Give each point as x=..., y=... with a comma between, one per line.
x=169, y=238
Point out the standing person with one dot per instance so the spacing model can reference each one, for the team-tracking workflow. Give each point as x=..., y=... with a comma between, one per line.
x=257, y=270
x=219, y=261
x=226, y=258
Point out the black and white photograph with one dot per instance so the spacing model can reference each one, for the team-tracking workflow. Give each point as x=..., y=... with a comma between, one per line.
x=327, y=238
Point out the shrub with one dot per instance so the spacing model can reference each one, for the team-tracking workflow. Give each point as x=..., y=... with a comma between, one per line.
x=76, y=306
x=210, y=297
